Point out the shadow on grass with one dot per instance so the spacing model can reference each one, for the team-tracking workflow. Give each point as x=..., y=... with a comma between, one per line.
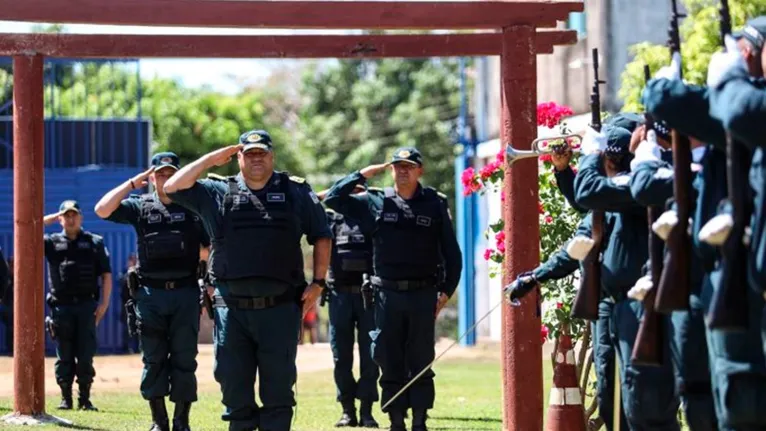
x=82, y=427
x=466, y=419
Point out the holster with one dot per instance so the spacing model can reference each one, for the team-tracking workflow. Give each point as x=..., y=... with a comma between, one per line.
x=203, y=278
x=133, y=282
x=368, y=297
x=130, y=313
x=50, y=327
x=325, y=297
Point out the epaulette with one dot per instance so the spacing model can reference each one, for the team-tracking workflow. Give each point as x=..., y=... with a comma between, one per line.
x=441, y=195
x=296, y=179
x=214, y=176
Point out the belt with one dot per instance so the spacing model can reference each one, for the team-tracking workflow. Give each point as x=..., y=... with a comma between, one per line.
x=346, y=288
x=253, y=302
x=169, y=284
x=71, y=299
x=403, y=285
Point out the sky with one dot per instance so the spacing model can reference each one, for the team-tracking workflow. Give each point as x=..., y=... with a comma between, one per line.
x=191, y=72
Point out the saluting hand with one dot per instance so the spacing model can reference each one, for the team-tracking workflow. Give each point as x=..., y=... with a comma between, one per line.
x=222, y=156
x=141, y=180
x=372, y=170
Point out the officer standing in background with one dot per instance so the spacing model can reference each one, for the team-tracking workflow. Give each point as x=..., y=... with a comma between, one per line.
x=351, y=258
x=412, y=240
x=76, y=260
x=256, y=220
x=167, y=297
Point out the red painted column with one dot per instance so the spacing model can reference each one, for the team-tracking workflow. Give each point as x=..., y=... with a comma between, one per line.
x=29, y=335
x=522, y=351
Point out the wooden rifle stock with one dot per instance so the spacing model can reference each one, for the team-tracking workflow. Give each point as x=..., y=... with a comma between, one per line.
x=649, y=346
x=728, y=307
x=675, y=283
x=585, y=305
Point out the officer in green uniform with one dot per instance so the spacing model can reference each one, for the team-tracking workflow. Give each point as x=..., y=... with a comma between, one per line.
x=648, y=394
x=256, y=220
x=167, y=300
x=414, y=246
x=77, y=259
x=351, y=259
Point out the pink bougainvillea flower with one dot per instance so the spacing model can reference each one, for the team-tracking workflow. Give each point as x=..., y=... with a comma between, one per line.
x=549, y=114
x=546, y=158
x=559, y=305
x=544, y=332
x=540, y=207
x=487, y=254
x=548, y=219
x=500, y=157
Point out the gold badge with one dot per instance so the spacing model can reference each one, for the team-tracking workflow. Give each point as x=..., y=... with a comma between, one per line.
x=69, y=204
x=254, y=138
x=404, y=154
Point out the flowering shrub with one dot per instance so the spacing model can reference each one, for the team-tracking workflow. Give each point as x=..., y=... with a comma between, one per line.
x=558, y=221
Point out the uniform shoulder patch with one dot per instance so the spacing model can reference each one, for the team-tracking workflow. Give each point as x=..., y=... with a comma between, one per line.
x=620, y=180
x=297, y=179
x=214, y=176
x=441, y=195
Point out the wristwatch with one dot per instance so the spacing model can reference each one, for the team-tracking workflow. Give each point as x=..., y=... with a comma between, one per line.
x=319, y=281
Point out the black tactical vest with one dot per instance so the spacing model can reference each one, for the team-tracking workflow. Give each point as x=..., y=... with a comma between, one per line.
x=351, y=251
x=168, y=242
x=260, y=236
x=406, y=241
x=75, y=275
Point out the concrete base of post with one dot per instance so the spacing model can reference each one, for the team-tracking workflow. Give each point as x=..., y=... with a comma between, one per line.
x=43, y=419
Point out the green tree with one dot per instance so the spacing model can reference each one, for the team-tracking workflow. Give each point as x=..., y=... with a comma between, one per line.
x=699, y=39
x=357, y=111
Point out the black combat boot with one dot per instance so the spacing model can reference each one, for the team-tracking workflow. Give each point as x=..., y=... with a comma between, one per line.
x=181, y=417
x=365, y=415
x=159, y=415
x=348, y=418
x=83, y=402
x=66, y=397
x=419, y=420
x=397, y=421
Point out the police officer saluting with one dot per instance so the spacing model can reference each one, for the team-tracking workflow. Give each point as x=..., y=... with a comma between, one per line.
x=256, y=220
x=76, y=260
x=351, y=259
x=412, y=241
x=167, y=294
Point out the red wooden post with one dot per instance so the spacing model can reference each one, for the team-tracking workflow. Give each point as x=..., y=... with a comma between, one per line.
x=522, y=356
x=29, y=335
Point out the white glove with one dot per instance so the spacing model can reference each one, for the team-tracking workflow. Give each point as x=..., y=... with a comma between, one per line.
x=579, y=247
x=592, y=141
x=723, y=62
x=717, y=230
x=641, y=288
x=673, y=71
x=664, y=224
x=648, y=150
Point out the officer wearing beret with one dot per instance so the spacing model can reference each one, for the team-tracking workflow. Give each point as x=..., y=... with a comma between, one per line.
x=167, y=300
x=351, y=259
x=414, y=246
x=603, y=183
x=77, y=261
x=256, y=220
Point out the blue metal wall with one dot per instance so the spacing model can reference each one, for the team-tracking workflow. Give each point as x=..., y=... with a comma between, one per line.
x=86, y=185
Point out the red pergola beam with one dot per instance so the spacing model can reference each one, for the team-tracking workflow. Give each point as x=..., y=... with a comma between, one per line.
x=326, y=46
x=491, y=14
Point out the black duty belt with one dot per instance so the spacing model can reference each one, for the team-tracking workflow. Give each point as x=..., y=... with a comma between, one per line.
x=346, y=288
x=71, y=299
x=169, y=284
x=403, y=285
x=253, y=302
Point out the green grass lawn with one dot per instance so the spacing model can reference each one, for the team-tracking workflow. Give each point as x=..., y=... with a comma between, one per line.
x=468, y=397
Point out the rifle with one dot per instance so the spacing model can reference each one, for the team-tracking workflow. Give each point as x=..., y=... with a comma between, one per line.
x=728, y=307
x=675, y=283
x=648, y=348
x=585, y=304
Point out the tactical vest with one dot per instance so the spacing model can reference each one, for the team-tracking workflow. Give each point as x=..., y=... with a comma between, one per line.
x=260, y=236
x=168, y=243
x=75, y=275
x=351, y=251
x=407, y=236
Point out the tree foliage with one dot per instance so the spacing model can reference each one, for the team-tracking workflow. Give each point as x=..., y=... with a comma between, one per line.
x=699, y=40
x=357, y=111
